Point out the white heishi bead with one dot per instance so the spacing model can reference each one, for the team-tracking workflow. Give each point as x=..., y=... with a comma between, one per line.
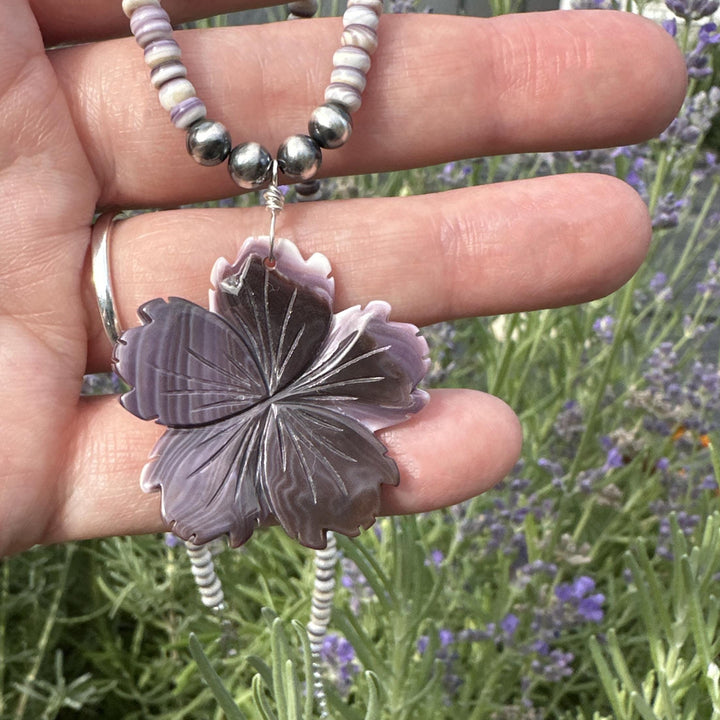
x=360, y=15
x=130, y=6
x=349, y=76
x=167, y=72
x=345, y=95
x=375, y=5
x=352, y=57
x=160, y=52
x=174, y=92
x=360, y=36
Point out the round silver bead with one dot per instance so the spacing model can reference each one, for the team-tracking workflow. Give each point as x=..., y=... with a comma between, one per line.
x=299, y=157
x=208, y=142
x=303, y=8
x=250, y=165
x=330, y=126
x=307, y=191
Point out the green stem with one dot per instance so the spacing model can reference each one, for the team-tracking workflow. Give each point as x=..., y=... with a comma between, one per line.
x=618, y=339
x=507, y=355
x=663, y=166
x=540, y=334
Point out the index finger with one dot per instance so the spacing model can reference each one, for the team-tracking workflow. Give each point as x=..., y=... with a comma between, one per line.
x=440, y=88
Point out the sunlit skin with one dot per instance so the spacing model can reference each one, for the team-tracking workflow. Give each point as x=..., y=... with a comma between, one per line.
x=82, y=129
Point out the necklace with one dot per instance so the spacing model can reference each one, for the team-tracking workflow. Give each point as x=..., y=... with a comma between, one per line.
x=270, y=399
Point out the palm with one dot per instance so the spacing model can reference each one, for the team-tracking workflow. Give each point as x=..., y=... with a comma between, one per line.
x=81, y=130
x=50, y=194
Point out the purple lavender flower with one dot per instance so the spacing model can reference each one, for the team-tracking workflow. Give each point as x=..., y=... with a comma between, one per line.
x=555, y=667
x=658, y=285
x=356, y=583
x=172, y=540
x=695, y=118
x=667, y=214
x=614, y=458
x=447, y=656
x=591, y=4
x=422, y=644
x=670, y=26
x=575, y=594
x=509, y=625
x=338, y=655
x=556, y=472
x=441, y=338
x=455, y=174
x=711, y=283
x=692, y=9
x=698, y=59
x=629, y=163
x=102, y=384
x=603, y=328
x=687, y=522
x=501, y=526
x=590, y=608
x=569, y=424
x=271, y=401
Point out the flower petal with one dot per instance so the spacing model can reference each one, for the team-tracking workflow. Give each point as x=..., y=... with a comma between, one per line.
x=209, y=478
x=187, y=366
x=323, y=472
x=285, y=309
x=369, y=367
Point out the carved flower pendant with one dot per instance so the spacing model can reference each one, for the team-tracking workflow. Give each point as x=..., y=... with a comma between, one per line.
x=270, y=400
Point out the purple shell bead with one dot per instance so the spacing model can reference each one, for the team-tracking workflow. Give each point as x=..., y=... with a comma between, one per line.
x=187, y=112
x=161, y=51
x=149, y=24
x=167, y=71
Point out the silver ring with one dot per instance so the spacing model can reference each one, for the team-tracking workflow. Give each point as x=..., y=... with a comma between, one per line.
x=101, y=279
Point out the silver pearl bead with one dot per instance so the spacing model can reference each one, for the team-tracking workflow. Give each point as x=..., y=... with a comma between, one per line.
x=299, y=157
x=208, y=142
x=303, y=8
x=250, y=165
x=330, y=126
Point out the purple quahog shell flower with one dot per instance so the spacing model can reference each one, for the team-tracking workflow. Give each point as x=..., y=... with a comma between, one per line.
x=270, y=400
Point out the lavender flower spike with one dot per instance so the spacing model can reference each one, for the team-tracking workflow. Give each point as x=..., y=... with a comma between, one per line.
x=270, y=401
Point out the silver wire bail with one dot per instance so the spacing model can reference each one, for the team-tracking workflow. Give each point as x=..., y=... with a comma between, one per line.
x=274, y=202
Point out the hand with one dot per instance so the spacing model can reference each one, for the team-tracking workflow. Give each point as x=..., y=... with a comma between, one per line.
x=82, y=129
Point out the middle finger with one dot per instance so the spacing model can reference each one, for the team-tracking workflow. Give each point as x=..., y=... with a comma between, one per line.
x=484, y=250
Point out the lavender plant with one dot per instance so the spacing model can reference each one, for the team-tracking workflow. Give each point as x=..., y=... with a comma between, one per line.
x=585, y=586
